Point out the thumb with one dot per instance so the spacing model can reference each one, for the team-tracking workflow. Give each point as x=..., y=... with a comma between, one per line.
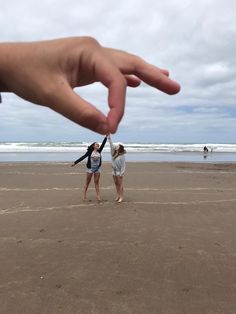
x=72, y=106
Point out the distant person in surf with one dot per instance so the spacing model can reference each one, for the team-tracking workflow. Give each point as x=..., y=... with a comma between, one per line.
x=93, y=164
x=205, y=150
x=118, y=168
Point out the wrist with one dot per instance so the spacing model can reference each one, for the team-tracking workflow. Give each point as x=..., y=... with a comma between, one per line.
x=4, y=62
x=10, y=64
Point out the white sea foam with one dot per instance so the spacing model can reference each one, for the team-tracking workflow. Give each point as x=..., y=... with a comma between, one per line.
x=63, y=147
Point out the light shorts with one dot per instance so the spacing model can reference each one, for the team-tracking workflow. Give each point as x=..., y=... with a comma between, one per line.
x=117, y=173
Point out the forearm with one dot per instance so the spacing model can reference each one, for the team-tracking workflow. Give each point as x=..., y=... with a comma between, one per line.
x=80, y=159
x=111, y=145
x=103, y=144
x=13, y=58
x=18, y=67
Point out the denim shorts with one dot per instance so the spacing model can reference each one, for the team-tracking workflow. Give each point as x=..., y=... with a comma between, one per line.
x=93, y=170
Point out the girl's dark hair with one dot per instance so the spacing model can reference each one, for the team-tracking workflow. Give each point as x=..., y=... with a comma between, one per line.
x=91, y=147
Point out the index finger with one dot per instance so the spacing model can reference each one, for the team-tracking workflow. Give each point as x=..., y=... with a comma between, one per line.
x=155, y=77
x=109, y=75
x=148, y=73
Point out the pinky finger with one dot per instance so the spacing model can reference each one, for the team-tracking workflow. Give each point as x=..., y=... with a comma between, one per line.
x=132, y=81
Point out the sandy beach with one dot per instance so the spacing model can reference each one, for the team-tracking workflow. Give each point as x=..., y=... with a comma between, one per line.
x=169, y=248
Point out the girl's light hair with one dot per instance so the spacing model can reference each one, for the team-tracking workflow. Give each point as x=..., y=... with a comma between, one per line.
x=119, y=150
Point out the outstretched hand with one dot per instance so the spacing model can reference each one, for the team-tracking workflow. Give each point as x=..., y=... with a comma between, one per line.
x=46, y=73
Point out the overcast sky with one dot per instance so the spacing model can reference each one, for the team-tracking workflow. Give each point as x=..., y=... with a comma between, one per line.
x=195, y=40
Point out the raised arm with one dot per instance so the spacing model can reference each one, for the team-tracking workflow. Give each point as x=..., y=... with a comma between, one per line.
x=112, y=147
x=103, y=144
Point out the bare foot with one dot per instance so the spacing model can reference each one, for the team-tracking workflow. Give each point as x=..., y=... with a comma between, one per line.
x=120, y=200
x=84, y=197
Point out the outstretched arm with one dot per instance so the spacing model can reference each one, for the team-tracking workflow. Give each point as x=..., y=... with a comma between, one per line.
x=80, y=159
x=46, y=73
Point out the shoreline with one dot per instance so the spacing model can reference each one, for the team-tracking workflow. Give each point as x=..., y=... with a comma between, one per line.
x=196, y=157
x=105, y=163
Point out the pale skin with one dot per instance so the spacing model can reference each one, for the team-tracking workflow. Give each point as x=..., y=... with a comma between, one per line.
x=46, y=73
x=89, y=176
x=120, y=188
x=118, y=180
x=96, y=183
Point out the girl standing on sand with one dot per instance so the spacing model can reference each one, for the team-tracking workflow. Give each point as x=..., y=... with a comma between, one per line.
x=94, y=163
x=118, y=168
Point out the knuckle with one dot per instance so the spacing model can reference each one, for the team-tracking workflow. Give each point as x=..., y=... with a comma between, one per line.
x=90, y=41
x=123, y=82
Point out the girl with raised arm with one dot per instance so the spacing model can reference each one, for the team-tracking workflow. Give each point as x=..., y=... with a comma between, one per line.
x=118, y=168
x=94, y=163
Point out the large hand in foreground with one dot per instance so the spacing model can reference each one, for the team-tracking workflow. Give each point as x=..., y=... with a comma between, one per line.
x=46, y=73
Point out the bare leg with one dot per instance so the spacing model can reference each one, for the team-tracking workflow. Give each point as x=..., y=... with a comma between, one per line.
x=117, y=187
x=96, y=182
x=121, y=188
x=88, y=179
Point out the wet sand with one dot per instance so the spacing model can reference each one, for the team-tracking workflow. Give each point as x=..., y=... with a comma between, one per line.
x=170, y=248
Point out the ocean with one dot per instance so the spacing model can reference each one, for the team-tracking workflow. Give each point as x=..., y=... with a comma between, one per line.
x=70, y=151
